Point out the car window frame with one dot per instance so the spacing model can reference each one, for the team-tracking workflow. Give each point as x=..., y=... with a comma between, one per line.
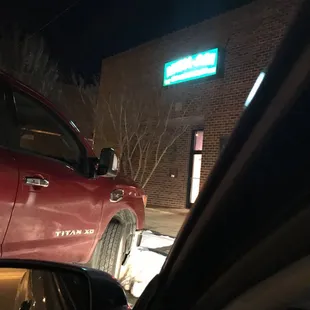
x=84, y=171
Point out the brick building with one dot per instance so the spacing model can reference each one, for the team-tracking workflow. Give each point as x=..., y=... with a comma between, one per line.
x=246, y=39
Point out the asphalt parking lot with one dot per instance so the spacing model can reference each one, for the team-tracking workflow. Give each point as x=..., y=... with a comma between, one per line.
x=165, y=221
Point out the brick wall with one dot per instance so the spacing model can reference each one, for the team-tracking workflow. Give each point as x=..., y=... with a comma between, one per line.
x=249, y=36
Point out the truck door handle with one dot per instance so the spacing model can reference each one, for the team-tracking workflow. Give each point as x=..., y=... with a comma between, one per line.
x=36, y=181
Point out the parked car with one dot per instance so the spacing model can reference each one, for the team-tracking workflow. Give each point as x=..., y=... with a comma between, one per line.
x=53, y=286
x=58, y=201
x=35, y=285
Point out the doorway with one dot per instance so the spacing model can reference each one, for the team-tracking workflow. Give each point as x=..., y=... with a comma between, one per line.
x=194, y=167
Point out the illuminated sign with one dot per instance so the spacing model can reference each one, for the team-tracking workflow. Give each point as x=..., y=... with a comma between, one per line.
x=191, y=67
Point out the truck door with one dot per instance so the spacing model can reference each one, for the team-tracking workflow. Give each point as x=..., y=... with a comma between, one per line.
x=58, y=208
x=8, y=165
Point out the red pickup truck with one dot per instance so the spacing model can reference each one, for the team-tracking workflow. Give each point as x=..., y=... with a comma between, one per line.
x=58, y=201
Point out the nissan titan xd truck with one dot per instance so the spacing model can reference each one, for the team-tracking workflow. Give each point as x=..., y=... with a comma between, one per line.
x=58, y=200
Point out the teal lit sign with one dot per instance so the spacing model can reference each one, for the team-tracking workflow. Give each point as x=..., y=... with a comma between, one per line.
x=191, y=67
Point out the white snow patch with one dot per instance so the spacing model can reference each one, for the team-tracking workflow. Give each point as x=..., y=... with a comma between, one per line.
x=143, y=265
x=150, y=264
x=152, y=241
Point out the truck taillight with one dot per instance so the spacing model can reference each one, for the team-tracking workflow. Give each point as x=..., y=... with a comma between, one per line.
x=144, y=198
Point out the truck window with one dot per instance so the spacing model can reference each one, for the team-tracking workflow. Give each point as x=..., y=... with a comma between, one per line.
x=42, y=133
x=8, y=132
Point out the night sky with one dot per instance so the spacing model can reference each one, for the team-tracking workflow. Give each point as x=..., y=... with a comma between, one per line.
x=94, y=29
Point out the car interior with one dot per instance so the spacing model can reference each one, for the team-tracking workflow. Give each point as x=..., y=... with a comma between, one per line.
x=288, y=290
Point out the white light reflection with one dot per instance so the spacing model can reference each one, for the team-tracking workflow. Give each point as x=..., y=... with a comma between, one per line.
x=254, y=89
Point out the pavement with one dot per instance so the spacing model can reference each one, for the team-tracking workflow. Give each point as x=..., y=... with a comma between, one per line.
x=165, y=221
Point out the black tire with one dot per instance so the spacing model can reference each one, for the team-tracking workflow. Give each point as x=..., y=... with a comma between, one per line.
x=110, y=250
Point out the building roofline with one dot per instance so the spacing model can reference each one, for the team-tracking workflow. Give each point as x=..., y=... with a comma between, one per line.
x=176, y=32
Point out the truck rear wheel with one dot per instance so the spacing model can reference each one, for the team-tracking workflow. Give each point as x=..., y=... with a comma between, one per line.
x=109, y=253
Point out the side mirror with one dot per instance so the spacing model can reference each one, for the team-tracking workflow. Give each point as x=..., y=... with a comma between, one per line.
x=27, y=285
x=108, y=163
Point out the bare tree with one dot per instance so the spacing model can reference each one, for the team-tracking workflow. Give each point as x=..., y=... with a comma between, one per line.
x=27, y=59
x=142, y=132
x=88, y=94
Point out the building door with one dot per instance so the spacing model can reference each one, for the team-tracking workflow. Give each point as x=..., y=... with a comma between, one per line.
x=194, y=167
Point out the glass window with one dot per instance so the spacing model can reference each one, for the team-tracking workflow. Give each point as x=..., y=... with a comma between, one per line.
x=41, y=132
x=8, y=130
x=74, y=289
x=195, y=186
x=198, y=141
